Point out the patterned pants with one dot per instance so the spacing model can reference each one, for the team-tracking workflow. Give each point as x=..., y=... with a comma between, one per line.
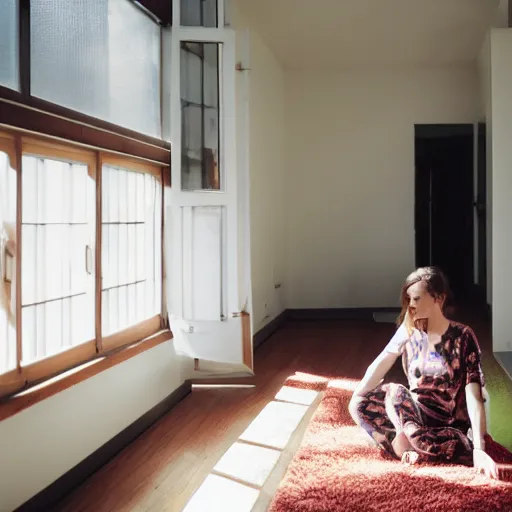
x=390, y=409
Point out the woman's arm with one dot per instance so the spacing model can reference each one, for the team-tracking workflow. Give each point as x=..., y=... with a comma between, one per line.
x=475, y=383
x=384, y=361
x=375, y=373
x=476, y=411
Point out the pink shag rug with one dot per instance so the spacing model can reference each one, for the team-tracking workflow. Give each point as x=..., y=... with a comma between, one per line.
x=337, y=468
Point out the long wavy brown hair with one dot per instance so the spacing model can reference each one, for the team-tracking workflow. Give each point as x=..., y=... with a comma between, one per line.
x=437, y=286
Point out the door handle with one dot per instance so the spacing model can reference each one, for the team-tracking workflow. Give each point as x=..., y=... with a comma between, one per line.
x=88, y=259
x=10, y=253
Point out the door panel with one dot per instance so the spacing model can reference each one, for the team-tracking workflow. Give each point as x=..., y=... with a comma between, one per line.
x=206, y=219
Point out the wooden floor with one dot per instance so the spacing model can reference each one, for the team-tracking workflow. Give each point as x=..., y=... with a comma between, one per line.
x=163, y=468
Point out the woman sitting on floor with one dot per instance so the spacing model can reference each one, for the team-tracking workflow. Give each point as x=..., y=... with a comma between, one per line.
x=441, y=417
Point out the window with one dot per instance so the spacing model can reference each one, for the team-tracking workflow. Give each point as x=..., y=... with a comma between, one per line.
x=8, y=179
x=91, y=256
x=57, y=267
x=81, y=251
x=200, y=116
x=131, y=248
x=9, y=50
x=109, y=69
x=199, y=13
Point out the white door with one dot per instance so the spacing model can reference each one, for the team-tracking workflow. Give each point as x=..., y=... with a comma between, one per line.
x=207, y=213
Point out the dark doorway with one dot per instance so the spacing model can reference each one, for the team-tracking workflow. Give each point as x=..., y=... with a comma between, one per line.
x=444, y=202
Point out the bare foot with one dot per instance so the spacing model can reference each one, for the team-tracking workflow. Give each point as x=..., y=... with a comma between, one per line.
x=401, y=444
x=411, y=457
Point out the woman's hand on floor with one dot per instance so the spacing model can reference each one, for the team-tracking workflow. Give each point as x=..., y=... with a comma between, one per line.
x=483, y=463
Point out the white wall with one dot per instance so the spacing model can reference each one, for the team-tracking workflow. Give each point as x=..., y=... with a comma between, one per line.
x=267, y=168
x=501, y=115
x=350, y=178
x=43, y=442
x=267, y=177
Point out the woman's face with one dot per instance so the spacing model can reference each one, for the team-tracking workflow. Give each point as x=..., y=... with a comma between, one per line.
x=421, y=303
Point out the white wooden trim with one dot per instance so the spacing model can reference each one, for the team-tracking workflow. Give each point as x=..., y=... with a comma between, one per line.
x=244, y=199
x=220, y=14
x=223, y=6
x=219, y=341
x=203, y=35
x=176, y=14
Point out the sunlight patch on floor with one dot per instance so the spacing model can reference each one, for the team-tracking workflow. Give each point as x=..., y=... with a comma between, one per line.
x=296, y=395
x=275, y=424
x=348, y=384
x=219, y=494
x=308, y=378
x=249, y=463
x=236, y=480
x=223, y=386
x=342, y=438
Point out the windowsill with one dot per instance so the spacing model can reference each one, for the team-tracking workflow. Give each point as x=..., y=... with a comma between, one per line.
x=35, y=394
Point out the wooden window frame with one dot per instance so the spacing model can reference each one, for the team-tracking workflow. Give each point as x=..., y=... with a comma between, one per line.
x=149, y=326
x=27, y=376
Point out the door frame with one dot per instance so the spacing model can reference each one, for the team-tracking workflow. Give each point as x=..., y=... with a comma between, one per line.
x=422, y=248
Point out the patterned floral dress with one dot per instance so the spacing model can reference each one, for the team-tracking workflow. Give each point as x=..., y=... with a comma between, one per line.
x=432, y=412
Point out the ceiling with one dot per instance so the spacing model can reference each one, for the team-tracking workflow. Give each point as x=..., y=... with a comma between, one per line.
x=328, y=34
